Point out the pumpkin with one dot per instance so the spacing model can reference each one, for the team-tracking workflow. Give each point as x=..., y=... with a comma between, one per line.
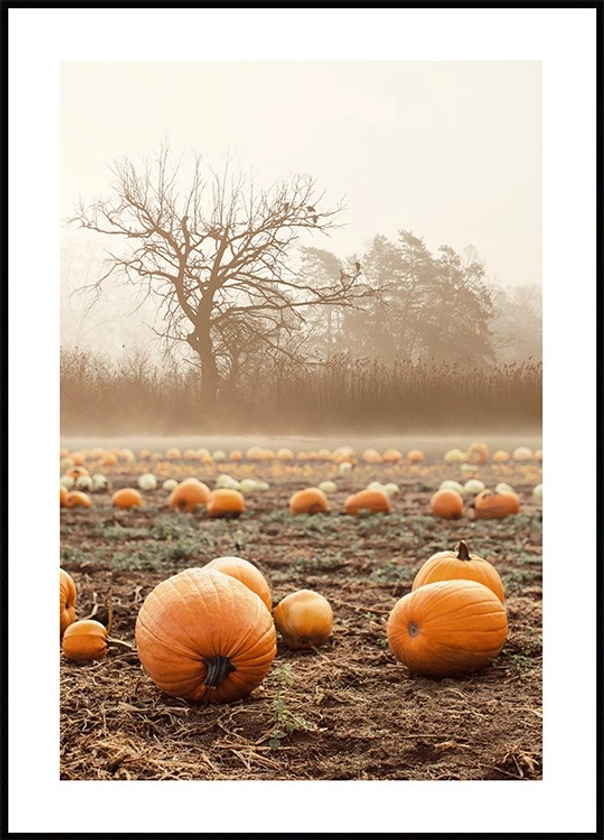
x=473, y=486
x=173, y=453
x=450, y=484
x=77, y=472
x=522, y=453
x=392, y=456
x=84, y=640
x=188, y=494
x=447, y=503
x=147, y=481
x=225, y=502
x=500, y=456
x=448, y=627
x=371, y=456
x=67, y=600
x=477, y=453
x=247, y=573
x=64, y=494
x=328, y=487
x=373, y=501
x=415, y=456
x=453, y=456
x=304, y=619
x=126, y=498
x=459, y=564
x=77, y=498
x=310, y=500
x=204, y=636
x=491, y=505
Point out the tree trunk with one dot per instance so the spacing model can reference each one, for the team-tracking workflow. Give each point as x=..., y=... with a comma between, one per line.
x=201, y=343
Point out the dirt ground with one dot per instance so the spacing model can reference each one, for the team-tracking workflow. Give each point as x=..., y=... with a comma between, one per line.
x=347, y=710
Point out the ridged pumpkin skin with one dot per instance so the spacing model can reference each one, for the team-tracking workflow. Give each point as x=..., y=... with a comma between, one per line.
x=308, y=501
x=247, y=573
x=460, y=565
x=188, y=494
x=447, y=628
x=447, y=504
x=126, y=498
x=198, y=622
x=225, y=502
x=85, y=640
x=374, y=501
x=67, y=600
x=491, y=505
x=304, y=619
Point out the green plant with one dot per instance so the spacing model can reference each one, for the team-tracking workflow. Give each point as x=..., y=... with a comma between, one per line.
x=285, y=722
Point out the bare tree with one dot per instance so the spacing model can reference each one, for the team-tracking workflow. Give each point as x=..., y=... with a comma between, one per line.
x=217, y=254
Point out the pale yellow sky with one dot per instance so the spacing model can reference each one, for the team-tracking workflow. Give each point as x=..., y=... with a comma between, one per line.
x=448, y=149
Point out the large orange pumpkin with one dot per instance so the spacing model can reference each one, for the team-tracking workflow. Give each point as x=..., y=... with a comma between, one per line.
x=304, y=619
x=459, y=564
x=205, y=637
x=126, y=498
x=447, y=504
x=491, y=505
x=85, y=640
x=310, y=500
x=188, y=494
x=64, y=494
x=247, y=573
x=67, y=600
x=225, y=502
x=447, y=628
x=373, y=501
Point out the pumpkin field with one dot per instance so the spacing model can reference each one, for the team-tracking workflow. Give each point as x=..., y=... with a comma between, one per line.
x=329, y=700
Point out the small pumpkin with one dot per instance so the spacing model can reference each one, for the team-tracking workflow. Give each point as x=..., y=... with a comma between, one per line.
x=447, y=504
x=188, y=494
x=372, y=501
x=85, y=640
x=203, y=636
x=492, y=505
x=415, y=456
x=459, y=564
x=147, y=481
x=447, y=628
x=304, y=619
x=225, y=502
x=127, y=498
x=477, y=453
x=67, y=600
x=64, y=494
x=500, y=456
x=310, y=500
x=77, y=498
x=392, y=456
x=246, y=572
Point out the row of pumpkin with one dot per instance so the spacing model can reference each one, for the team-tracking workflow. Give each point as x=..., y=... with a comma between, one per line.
x=209, y=634
x=476, y=453
x=447, y=502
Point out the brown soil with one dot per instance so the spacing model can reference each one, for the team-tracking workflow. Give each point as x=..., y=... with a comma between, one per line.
x=347, y=710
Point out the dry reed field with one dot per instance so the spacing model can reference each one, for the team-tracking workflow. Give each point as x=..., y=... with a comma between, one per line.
x=344, y=710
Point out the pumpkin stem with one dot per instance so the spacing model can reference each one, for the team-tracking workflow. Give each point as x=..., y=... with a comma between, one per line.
x=462, y=551
x=218, y=668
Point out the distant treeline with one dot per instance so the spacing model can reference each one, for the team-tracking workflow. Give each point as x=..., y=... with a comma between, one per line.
x=136, y=397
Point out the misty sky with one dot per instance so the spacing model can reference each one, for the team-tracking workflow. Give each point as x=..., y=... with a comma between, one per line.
x=448, y=149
